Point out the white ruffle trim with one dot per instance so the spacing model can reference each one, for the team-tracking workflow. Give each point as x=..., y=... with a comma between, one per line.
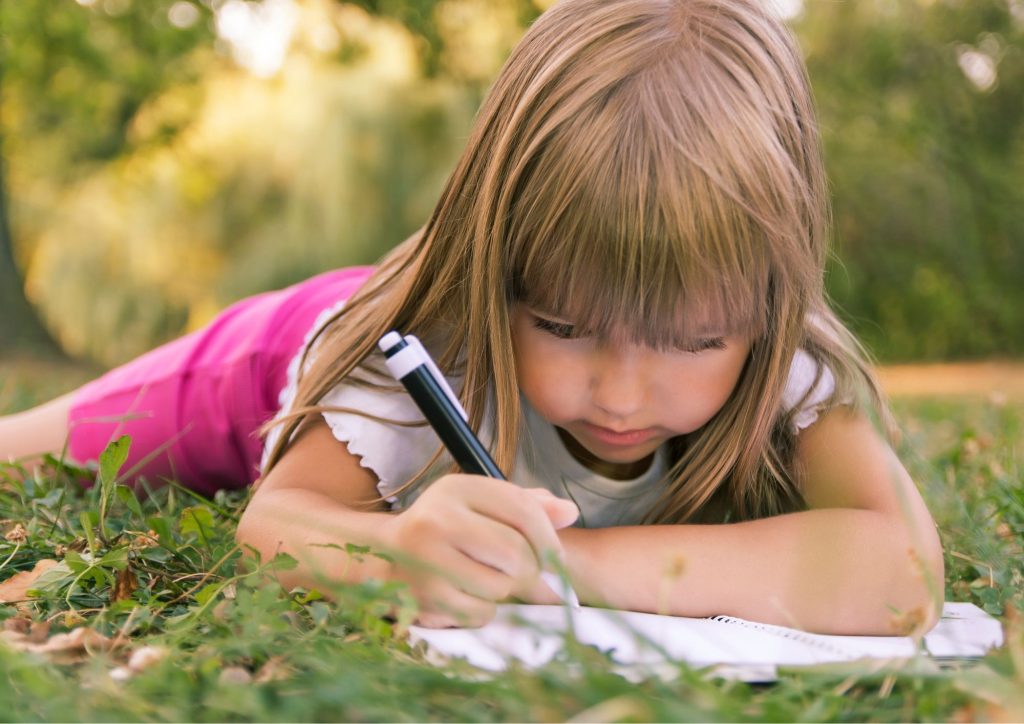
x=393, y=453
x=802, y=374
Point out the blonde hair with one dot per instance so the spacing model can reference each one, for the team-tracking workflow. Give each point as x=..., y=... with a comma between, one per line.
x=638, y=165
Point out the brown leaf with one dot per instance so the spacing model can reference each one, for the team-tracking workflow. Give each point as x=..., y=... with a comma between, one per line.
x=39, y=632
x=15, y=588
x=124, y=586
x=147, y=656
x=274, y=669
x=17, y=534
x=66, y=648
x=19, y=624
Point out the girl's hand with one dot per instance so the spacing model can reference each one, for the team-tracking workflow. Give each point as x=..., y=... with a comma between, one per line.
x=470, y=541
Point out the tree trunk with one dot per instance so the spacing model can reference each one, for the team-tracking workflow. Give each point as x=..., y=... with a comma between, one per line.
x=21, y=330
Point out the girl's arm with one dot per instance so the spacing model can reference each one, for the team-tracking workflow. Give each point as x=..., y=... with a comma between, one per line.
x=466, y=543
x=865, y=559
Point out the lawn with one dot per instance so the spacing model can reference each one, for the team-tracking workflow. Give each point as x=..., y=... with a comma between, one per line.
x=166, y=623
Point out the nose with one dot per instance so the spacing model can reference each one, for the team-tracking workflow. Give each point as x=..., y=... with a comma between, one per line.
x=617, y=384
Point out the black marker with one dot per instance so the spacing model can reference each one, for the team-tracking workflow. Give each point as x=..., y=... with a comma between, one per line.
x=409, y=363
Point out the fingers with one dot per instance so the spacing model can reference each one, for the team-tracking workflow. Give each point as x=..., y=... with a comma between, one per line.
x=470, y=541
x=499, y=547
x=561, y=512
x=520, y=510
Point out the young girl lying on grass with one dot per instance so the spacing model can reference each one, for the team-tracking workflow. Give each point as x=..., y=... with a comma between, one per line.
x=623, y=278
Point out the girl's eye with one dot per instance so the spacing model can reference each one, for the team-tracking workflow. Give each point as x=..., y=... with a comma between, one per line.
x=557, y=329
x=707, y=343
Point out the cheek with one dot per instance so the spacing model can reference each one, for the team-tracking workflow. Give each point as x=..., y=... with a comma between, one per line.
x=724, y=380
x=701, y=391
x=547, y=380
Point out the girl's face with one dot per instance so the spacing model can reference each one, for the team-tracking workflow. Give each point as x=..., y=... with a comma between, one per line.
x=614, y=403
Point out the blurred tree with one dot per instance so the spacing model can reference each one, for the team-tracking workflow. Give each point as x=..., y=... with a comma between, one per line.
x=20, y=328
x=73, y=78
x=443, y=28
x=153, y=181
x=922, y=112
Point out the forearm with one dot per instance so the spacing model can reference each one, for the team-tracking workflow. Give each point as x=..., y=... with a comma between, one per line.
x=831, y=570
x=314, y=530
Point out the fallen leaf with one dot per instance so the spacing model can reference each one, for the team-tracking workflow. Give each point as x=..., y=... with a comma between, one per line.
x=39, y=632
x=66, y=648
x=16, y=587
x=143, y=658
x=275, y=669
x=125, y=585
x=18, y=624
x=18, y=534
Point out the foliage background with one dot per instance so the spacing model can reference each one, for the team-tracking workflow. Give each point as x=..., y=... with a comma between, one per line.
x=160, y=165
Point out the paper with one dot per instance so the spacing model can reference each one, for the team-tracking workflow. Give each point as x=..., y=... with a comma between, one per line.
x=533, y=635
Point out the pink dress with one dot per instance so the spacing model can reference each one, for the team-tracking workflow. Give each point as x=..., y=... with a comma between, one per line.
x=194, y=406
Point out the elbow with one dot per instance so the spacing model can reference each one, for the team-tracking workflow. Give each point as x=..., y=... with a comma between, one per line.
x=918, y=594
x=932, y=572
x=251, y=535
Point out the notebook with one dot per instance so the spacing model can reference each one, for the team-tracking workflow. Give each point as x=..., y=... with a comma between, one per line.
x=533, y=635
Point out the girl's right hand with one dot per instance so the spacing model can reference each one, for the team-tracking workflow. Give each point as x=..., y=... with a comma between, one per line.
x=471, y=541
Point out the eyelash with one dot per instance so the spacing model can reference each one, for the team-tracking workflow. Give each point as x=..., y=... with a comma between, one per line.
x=561, y=330
x=557, y=329
x=708, y=343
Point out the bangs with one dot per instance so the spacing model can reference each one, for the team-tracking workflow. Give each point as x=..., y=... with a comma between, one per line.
x=622, y=234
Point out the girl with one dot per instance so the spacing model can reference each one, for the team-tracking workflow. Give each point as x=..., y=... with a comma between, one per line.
x=623, y=278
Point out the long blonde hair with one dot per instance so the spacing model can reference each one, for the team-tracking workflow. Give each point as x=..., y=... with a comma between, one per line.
x=638, y=164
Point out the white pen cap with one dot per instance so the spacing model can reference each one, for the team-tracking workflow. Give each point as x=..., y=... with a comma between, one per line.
x=389, y=340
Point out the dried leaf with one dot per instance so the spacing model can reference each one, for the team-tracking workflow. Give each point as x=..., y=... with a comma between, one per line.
x=16, y=587
x=147, y=656
x=39, y=632
x=18, y=624
x=18, y=534
x=275, y=669
x=124, y=585
x=66, y=648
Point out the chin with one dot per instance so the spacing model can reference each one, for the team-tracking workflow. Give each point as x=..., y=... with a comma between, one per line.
x=622, y=455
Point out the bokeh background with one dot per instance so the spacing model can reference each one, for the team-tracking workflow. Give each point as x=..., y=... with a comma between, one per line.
x=162, y=158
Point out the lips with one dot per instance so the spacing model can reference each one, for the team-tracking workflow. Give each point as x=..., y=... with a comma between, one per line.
x=619, y=438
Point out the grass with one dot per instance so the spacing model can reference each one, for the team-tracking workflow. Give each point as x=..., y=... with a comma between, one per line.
x=160, y=574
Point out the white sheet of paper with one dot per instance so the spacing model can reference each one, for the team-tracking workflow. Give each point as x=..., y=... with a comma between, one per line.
x=533, y=635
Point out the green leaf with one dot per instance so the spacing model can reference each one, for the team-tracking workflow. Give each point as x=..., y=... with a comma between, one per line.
x=87, y=522
x=196, y=520
x=207, y=592
x=127, y=496
x=55, y=578
x=284, y=562
x=163, y=531
x=75, y=562
x=115, y=558
x=112, y=458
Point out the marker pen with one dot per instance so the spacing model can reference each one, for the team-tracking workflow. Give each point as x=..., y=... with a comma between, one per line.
x=409, y=363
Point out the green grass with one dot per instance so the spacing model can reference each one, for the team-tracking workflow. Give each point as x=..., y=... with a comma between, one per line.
x=237, y=647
